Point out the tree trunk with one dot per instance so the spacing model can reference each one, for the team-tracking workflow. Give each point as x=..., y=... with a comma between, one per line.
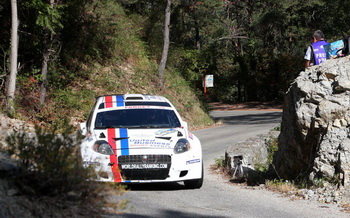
x=48, y=37
x=46, y=56
x=198, y=43
x=166, y=44
x=11, y=80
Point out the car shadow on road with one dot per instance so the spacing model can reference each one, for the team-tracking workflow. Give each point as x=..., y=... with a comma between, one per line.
x=163, y=186
x=167, y=213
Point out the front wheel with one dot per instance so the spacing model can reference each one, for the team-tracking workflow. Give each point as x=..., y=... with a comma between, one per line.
x=195, y=183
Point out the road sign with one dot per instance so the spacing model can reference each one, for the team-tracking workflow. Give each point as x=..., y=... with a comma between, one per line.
x=209, y=81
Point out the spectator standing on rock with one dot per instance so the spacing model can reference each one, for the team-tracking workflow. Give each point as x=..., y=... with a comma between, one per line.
x=315, y=53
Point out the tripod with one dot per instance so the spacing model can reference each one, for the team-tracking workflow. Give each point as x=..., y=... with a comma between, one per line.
x=237, y=162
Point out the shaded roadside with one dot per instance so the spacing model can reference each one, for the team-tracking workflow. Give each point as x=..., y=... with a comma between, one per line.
x=269, y=106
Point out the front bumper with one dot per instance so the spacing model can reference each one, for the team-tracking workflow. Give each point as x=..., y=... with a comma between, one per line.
x=148, y=167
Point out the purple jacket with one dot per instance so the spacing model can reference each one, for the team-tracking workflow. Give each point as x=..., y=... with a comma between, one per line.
x=319, y=53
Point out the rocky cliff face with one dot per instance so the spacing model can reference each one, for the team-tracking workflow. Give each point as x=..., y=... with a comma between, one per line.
x=315, y=137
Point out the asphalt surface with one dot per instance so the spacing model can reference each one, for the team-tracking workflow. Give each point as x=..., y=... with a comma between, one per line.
x=218, y=197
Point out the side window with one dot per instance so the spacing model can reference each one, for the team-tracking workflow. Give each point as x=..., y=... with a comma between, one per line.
x=89, y=120
x=173, y=120
x=99, y=120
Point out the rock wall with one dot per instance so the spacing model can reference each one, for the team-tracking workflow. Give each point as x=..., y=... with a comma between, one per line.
x=315, y=138
x=248, y=154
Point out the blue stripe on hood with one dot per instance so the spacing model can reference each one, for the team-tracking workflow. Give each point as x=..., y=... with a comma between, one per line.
x=124, y=144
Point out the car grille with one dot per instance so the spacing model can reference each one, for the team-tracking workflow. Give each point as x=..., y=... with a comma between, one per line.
x=147, y=173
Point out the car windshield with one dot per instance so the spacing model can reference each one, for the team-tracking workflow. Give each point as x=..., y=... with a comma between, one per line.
x=137, y=118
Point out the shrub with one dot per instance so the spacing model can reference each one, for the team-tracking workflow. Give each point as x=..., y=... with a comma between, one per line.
x=50, y=167
x=272, y=147
x=280, y=185
x=219, y=162
x=49, y=162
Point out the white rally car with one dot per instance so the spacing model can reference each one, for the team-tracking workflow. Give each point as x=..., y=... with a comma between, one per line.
x=135, y=138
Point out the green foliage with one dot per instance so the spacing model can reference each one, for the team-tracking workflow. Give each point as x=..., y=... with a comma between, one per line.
x=48, y=16
x=11, y=108
x=284, y=186
x=220, y=162
x=260, y=167
x=190, y=64
x=184, y=98
x=72, y=100
x=66, y=103
x=110, y=30
x=254, y=49
x=277, y=128
x=318, y=182
x=272, y=147
x=51, y=168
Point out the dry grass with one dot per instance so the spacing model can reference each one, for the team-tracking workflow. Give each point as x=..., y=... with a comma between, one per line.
x=280, y=186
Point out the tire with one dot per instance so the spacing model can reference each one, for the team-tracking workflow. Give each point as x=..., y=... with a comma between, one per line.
x=195, y=183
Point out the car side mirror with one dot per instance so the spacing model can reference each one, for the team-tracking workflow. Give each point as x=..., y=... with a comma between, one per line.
x=83, y=129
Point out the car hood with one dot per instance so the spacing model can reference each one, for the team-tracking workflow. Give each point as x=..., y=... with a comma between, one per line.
x=140, y=138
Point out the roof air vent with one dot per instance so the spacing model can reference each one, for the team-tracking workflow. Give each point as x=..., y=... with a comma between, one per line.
x=134, y=98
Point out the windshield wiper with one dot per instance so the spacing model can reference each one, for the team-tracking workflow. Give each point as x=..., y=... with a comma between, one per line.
x=144, y=126
x=160, y=126
x=108, y=127
x=135, y=127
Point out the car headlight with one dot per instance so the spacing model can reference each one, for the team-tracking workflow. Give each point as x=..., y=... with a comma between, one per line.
x=103, y=147
x=182, y=146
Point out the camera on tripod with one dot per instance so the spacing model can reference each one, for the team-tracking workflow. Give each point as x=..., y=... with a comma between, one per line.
x=238, y=159
x=238, y=168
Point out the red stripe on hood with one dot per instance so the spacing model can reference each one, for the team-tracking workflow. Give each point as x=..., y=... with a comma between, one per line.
x=113, y=157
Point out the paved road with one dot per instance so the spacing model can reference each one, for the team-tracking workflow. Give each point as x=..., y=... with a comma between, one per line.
x=217, y=197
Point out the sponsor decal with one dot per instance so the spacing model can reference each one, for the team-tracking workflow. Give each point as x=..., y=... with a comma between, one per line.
x=165, y=132
x=193, y=161
x=148, y=143
x=86, y=163
x=133, y=107
x=143, y=166
x=148, y=97
x=190, y=135
x=142, y=135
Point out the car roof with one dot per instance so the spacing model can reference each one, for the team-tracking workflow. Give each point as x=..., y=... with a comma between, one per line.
x=120, y=100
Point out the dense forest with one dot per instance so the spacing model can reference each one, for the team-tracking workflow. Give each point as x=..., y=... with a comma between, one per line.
x=70, y=50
